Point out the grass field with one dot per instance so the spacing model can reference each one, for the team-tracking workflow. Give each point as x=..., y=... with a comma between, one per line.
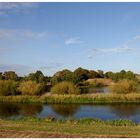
x=44, y=129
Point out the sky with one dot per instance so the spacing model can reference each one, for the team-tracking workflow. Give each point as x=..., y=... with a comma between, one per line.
x=56, y=36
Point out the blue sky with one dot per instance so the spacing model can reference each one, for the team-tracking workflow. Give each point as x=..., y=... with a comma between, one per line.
x=54, y=36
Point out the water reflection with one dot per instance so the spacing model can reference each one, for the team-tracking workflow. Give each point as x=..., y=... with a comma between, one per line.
x=65, y=110
x=95, y=90
x=125, y=110
x=30, y=109
x=10, y=110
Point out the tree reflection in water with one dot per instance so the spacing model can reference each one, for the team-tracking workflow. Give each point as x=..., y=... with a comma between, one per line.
x=65, y=110
x=30, y=109
x=125, y=110
x=10, y=110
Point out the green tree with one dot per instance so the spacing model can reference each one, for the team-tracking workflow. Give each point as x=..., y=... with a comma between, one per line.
x=93, y=74
x=1, y=77
x=82, y=74
x=64, y=75
x=130, y=75
x=109, y=74
x=37, y=76
x=10, y=75
x=101, y=73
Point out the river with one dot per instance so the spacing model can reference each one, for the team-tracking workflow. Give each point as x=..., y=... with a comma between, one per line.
x=73, y=111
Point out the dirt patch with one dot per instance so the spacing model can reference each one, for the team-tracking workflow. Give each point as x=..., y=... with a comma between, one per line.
x=32, y=134
x=43, y=134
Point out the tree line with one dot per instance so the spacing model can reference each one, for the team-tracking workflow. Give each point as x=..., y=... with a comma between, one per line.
x=75, y=77
x=36, y=83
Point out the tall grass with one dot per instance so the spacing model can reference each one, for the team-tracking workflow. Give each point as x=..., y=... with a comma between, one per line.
x=8, y=87
x=124, y=87
x=76, y=99
x=31, y=88
x=65, y=88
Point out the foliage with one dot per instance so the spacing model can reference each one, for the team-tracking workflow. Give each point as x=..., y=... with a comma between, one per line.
x=89, y=121
x=10, y=75
x=64, y=75
x=124, y=86
x=96, y=82
x=93, y=74
x=37, y=77
x=1, y=76
x=8, y=87
x=65, y=88
x=101, y=73
x=31, y=88
x=82, y=74
x=75, y=99
x=120, y=122
x=121, y=75
x=79, y=75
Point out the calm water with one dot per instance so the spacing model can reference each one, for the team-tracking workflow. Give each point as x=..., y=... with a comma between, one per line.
x=95, y=90
x=59, y=111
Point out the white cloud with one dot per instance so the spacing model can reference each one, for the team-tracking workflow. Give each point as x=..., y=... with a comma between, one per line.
x=16, y=33
x=122, y=49
x=115, y=50
x=72, y=41
x=125, y=48
x=9, y=7
x=13, y=5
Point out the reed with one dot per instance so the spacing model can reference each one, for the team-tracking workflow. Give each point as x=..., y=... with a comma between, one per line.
x=77, y=99
x=124, y=87
x=65, y=88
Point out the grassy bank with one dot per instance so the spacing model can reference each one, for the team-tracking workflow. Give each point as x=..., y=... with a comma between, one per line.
x=83, y=99
x=81, y=128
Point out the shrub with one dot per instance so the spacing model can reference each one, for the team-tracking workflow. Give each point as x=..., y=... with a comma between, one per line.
x=120, y=122
x=31, y=88
x=65, y=88
x=124, y=86
x=89, y=121
x=8, y=87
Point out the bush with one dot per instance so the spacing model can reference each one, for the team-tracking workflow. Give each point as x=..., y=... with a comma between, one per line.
x=65, y=88
x=8, y=87
x=31, y=88
x=94, y=83
x=120, y=122
x=124, y=86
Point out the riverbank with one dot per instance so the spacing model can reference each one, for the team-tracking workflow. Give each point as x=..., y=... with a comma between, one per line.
x=44, y=128
x=75, y=99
